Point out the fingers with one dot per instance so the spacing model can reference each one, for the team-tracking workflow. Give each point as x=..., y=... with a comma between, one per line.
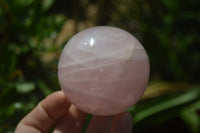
x=72, y=122
x=45, y=115
x=56, y=110
x=122, y=123
x=100, y=124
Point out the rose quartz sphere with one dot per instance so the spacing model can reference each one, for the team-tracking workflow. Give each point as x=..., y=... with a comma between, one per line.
x=103, y=70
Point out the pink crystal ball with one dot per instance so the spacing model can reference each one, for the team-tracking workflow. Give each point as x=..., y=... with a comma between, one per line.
x=103, y=70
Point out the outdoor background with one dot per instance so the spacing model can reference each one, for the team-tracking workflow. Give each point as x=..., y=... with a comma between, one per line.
x=33, y=33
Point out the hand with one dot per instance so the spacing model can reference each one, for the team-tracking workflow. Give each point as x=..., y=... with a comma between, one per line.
x=56, y=112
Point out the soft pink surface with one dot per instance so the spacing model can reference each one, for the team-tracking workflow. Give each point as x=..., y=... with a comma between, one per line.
x=103, y=70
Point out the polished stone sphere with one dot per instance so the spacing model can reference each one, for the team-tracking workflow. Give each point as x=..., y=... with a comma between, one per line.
x=103, y=70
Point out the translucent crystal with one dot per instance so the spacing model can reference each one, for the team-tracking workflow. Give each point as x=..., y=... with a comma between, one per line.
x=103, y=70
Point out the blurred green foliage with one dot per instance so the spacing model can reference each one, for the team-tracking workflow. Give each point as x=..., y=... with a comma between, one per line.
x=169, y=30
x=24, y=79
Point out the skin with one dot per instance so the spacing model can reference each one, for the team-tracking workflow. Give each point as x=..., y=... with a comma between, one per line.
x=56, y=112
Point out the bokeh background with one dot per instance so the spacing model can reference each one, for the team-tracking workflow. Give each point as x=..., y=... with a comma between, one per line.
x=33, y=33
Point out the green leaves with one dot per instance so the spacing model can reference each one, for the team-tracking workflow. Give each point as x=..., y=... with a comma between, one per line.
x=24, y=78
x=46, y=4
x=25, y=87
x=191, y=117
x=157, y=110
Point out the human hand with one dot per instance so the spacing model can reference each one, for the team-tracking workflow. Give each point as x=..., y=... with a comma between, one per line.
x=56, y=112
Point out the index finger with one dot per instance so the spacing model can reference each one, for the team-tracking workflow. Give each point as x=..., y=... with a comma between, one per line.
x=45, y=114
